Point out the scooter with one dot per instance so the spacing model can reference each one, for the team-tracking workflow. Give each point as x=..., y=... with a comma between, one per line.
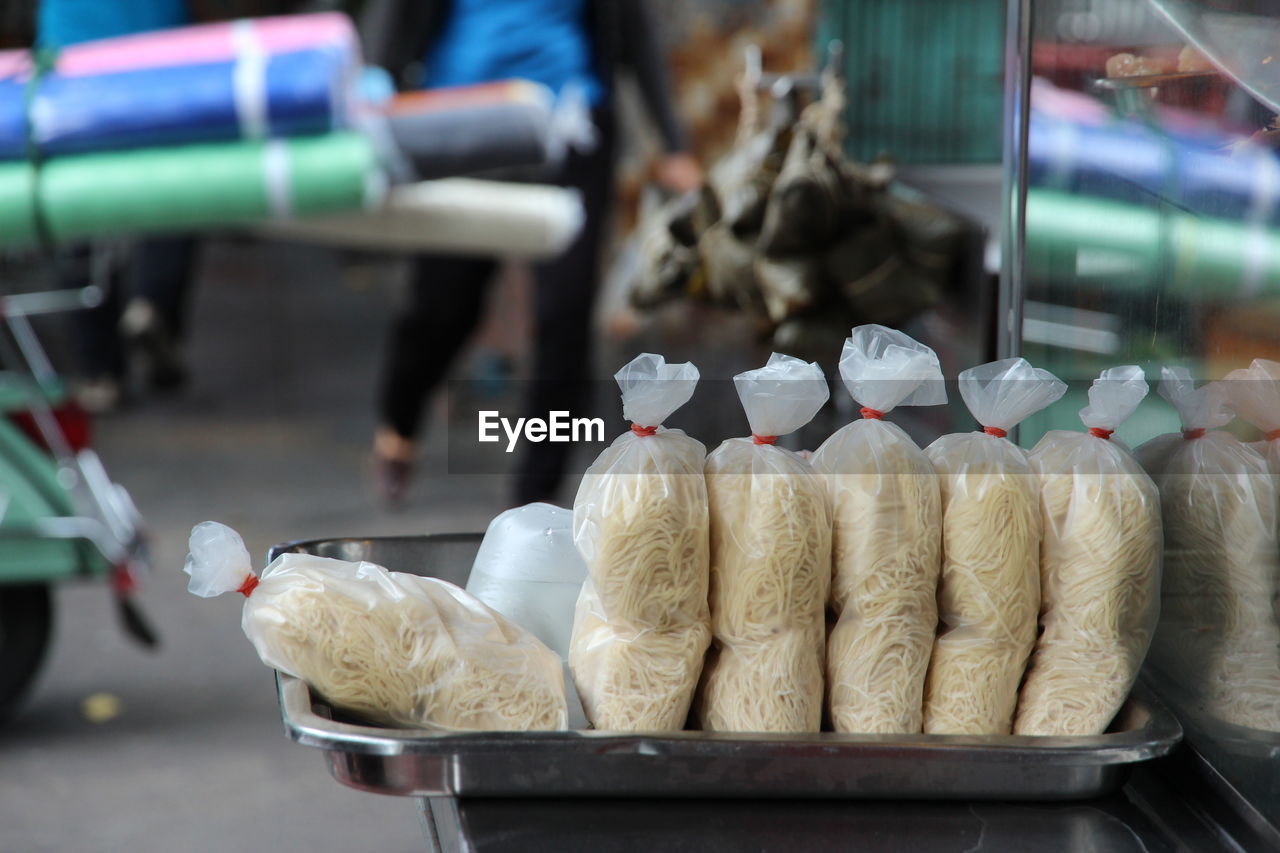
x=62, y=518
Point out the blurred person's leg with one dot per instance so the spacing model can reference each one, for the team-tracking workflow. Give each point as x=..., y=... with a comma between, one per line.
x=98, y=352
x=154, y=320
x=445, y=301
x=564, y=297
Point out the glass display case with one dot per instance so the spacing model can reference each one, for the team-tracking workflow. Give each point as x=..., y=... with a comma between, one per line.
x=1146, y=180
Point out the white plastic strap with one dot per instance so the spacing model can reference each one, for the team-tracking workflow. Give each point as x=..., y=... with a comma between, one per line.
x=275, y=178
x=249, y=80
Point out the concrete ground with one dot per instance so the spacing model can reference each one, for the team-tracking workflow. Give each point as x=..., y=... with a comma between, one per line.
x=270, y=437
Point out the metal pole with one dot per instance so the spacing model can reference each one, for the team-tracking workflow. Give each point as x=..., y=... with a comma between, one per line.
x=1017, y=105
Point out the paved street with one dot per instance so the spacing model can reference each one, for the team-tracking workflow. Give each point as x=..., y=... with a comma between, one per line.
x=271, y=438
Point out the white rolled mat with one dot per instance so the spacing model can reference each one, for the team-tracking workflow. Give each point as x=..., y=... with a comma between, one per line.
x=452, y=216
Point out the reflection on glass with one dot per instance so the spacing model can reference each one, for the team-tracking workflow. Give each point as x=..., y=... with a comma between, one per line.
x=1152, y=233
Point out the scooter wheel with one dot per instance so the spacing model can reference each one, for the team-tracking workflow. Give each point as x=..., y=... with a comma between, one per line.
x=26, y=623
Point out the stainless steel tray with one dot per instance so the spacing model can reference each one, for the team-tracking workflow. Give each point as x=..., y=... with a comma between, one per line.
x=699, y=764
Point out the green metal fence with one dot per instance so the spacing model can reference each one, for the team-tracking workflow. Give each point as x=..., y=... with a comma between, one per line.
x=924, y=77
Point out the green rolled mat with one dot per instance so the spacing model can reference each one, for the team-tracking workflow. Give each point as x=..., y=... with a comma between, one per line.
x=1129, y=247
x=189, y=187
x=17, y=192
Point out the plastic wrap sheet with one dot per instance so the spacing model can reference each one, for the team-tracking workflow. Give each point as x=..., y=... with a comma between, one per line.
x=250, y=79
x=188, y=187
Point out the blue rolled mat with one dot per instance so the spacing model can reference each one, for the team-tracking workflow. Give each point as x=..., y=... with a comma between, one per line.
x=13, y=119
x=288, y=94
x=1126, y=161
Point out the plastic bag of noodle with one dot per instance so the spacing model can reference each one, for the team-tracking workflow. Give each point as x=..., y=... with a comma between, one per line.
x=989, y=589
x=1254, y=395
x=1099, y=568
x=641, y=626
x=886, y=545
x=770, y=562
x=394, y=648
x=1217, y=637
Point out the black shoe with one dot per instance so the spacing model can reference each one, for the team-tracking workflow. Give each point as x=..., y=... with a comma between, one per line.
x=147, y=333
x=98, y=395
x=392, y=479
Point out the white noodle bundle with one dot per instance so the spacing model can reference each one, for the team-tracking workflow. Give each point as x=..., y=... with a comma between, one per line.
x=395, y=648
x=886, y=540
x=1099, y=568
x=636, y=680
x=642, y=626
x=1217, y=636
x=989, y=592
x=770, y=563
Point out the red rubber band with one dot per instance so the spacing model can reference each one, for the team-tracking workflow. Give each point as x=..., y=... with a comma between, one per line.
x=1099, y=432
x=249, y=585
x=643, y=430
x=996, y=431
x=1273, y=435
x=872, y=414
x=763, y=439
x=1192, y=434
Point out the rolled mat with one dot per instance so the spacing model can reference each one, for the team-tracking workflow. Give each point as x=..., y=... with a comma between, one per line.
x=1125, y=247
x=452, y=216
x=247, y=79
x=465, y=130
x=281, y=95
x=188, y=187
x=1127, y=161
x=200, y=44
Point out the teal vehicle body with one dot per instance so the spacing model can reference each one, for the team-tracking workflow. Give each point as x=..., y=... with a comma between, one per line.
x=29, y=493
x=61, y=517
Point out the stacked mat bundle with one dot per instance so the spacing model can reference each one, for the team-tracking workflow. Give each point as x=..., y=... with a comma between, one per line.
x=196, y=127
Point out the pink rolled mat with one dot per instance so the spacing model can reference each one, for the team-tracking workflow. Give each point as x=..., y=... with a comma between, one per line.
x=202, y=43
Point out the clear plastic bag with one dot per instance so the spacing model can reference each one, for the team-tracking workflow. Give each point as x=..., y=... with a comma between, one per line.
x=529, y=570
x=886, y=540
x=641, y=626
x=1254, y=395
x=770, y=562
x=1217, y=637
x=989, y=591
x=394, y=648
x=1099, y=568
